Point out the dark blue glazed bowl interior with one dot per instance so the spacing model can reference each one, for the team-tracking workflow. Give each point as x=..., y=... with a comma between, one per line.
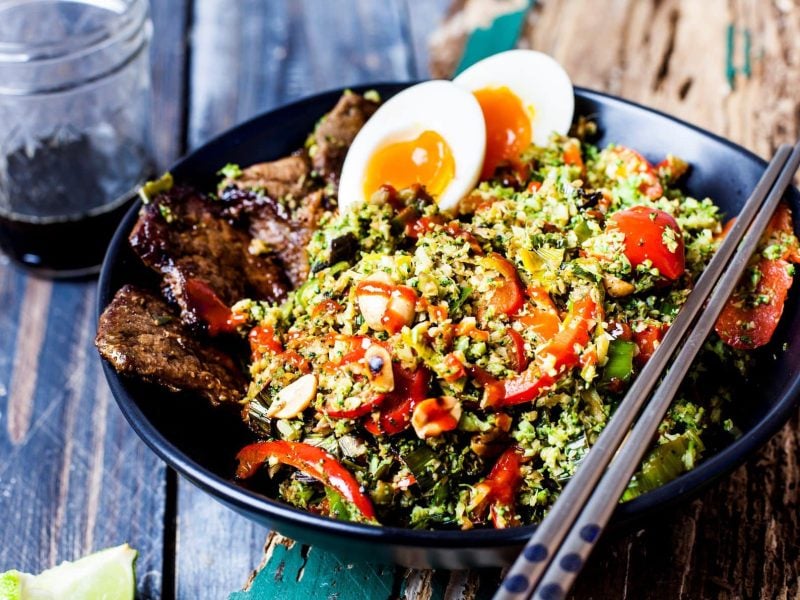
x=200, y=442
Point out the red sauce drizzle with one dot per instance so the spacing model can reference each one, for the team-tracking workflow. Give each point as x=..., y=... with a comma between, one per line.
x=436, y=413
x=208, y=307
x=393, y=320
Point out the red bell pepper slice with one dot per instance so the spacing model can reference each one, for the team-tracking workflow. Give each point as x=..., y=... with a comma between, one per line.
x=525, y=387
x=314, y=462
x=501, y=487
x=423, y=225
x=209, y=307
x=672, y=168
x=372, y=426
x=508, y=298
x=746, y=326
x=647, y=341
x=455, y=368
x=355, y=349
x=645, y=230
x=298, y=362
x=542, y=315
x=327, y=306
x=410, y=388
x=575, y=331
x=627, y=162
x=572, y=154
x=620, y=330
x=262, y=339
x=493, y=390
x=781, y=231
x=519, y=358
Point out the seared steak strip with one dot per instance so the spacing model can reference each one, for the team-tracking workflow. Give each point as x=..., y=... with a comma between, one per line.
x=140, y=335
x=280, y=179
x=281, y=202
x=336, y=131
x=206, y=263
x=284, y=231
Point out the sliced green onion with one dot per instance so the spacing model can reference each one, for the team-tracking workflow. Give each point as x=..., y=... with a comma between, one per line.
x=665, y=463
x=151, y=189
x=620, y=360
x=338, y=507
x=422, y=462
x=582, y=230
x=466, y=292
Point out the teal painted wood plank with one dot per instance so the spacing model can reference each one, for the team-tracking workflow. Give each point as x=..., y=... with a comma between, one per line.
x=296, y=572
x=502, y=34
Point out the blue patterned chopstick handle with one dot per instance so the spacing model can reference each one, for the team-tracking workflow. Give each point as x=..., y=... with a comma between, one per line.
x=557, y=579
x=574, y=552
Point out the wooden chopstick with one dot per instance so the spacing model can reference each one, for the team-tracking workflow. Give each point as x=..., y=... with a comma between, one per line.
x=544, y=567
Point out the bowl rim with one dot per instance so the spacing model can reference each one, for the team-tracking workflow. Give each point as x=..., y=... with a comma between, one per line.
x=248, y=502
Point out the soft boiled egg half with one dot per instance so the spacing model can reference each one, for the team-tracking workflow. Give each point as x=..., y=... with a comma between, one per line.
x=430, y=134
x=446, y=136
x=525, y=97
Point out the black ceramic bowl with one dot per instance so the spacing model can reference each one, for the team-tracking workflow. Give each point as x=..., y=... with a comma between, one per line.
x=200, y=443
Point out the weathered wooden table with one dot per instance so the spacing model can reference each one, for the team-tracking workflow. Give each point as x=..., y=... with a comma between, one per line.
x=75, y=478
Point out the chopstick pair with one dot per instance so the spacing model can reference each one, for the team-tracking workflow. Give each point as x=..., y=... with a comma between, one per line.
x=560, y=546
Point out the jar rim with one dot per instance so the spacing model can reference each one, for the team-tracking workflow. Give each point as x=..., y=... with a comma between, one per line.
x=131, y=16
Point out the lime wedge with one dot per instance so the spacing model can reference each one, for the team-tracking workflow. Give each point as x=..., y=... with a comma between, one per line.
x=104, y=575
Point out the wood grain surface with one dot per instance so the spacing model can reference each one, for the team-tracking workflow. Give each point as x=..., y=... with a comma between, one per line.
x=74, y=477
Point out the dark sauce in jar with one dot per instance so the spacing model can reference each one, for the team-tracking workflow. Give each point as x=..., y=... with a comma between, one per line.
x=61, y=203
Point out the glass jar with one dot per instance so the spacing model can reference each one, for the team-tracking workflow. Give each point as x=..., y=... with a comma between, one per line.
x=74, y=127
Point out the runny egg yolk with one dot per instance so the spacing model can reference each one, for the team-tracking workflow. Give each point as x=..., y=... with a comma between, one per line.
x=508, y=127
x=426, y=160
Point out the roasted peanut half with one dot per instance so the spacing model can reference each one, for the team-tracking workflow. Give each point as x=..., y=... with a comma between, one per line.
x=379, y=363
x=434, y=416
x=384, y=305
x=616, y=287
x=373, y=305
x=294, y=398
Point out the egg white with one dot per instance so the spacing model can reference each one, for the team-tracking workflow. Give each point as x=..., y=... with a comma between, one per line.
x=537, y=79
x=439, y=106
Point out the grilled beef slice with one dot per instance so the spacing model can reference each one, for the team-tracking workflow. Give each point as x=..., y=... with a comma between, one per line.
x=140, y=335
x=201, y=256
x=280, y=179
x=281, y=202
x=336, y=131
x=284, y=230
